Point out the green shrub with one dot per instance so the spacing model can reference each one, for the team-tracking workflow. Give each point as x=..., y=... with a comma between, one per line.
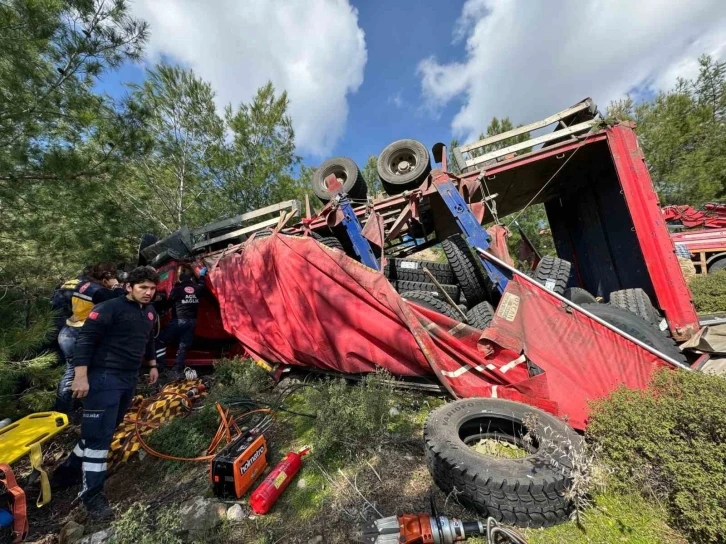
x=670, y=442
x=709, y=292
x=244, y=376
x=350, y=418
x=137, y=525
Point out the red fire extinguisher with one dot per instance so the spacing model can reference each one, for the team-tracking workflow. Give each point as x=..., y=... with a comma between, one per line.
x=276, y=482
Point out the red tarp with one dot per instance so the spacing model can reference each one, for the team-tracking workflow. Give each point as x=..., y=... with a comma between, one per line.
x=713, y=218
x=291, y=300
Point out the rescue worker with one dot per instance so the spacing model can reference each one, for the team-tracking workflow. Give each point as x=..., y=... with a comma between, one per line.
x=97, y=284
x=62, y=308
x=115, y=337
x=184, y=300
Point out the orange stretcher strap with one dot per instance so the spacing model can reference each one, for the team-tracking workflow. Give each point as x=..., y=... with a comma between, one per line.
x=18, y=510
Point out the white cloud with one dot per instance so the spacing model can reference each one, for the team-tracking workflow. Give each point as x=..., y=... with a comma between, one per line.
x=527, y=59
x=314, y=49
x=397, y=100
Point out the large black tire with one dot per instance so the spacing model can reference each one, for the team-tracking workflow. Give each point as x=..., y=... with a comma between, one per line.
x=410, y=270
x=528, y=492
x=331, y=241
x=347, y=173
x=636, y=301
x=555, y=274
x=718, y=264
x=432, y=302
x=637, y=327
x=403, y=166
x=404, y=286
x=579, y=296
x=467, y=269
x=480, y=316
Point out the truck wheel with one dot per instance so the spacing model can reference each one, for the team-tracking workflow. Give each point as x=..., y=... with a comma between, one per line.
x=579, y=296
x=403, y=165
x=481, y=315
x=407, y=286
x=467, y=269
x=554, y=273
x=347, y=173
x=529, y=490
x=718, y=264
x=636, y=327
x=432, y=302
x=410, y=270
x=331, y=241
x=636, y=301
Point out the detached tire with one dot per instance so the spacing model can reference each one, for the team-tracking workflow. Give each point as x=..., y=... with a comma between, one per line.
x=481, y=315
x=432, y=302
x=467, y=269
x=554, y=273
x=638, y=328
x=579, y=296
x=403, y=166
x=527, y=492
x=347, y=173
x=636, y=301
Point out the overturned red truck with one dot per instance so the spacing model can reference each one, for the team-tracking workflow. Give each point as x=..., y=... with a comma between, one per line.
x=338, y=291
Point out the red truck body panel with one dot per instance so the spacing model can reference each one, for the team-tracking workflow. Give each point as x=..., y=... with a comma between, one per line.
x=604, y=216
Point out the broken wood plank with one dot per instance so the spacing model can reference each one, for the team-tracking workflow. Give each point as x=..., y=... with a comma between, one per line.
x=238, y=233
x=224, y=223
x=585, y=104
x=556, y=135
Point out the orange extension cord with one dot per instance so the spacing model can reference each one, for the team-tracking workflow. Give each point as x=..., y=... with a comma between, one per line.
x=227, y=425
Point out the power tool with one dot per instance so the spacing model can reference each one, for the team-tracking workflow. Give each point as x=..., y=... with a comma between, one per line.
x=239, y=464
x=432, y=529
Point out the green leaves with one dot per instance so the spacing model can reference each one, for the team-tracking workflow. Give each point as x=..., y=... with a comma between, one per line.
x=670, y=442
x=370, y=174
x=683, y=136
x=257, y=168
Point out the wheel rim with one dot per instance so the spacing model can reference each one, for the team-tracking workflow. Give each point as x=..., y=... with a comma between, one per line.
x=497, y=436
x=402, y=162
x=339, y=174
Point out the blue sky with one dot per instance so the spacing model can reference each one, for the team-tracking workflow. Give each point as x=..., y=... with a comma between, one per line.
x=362, y=74
x=388, y=105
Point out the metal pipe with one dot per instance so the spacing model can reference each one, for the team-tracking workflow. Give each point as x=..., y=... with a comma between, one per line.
x=571, y=304
x=443, y=292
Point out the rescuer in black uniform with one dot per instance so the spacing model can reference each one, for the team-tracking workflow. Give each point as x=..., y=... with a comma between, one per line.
x=115, y=337
x=184, y=300
x=97, y=284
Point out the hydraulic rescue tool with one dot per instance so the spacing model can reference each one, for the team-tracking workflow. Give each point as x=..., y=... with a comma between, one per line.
x=432, y=529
